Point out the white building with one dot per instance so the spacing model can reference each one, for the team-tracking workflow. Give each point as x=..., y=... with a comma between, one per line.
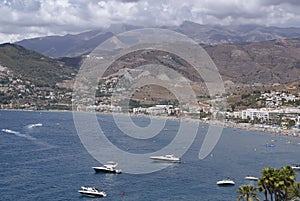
x=255, y=114
x=157, y=110
x=268, y=114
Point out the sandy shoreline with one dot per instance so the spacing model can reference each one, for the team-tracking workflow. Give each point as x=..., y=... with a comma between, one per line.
x=294, y=132
x=243, y=126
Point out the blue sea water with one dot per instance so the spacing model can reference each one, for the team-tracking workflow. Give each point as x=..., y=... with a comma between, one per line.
x=42, y=158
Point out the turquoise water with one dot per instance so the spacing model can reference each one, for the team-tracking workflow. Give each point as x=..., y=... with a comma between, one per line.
x=42, y=158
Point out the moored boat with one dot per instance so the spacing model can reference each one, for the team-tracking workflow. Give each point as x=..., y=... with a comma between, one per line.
x=91, y=191
x=109, y=167
x=251, y=178
x=226, y=182
x=168, y=158
x=296, y=167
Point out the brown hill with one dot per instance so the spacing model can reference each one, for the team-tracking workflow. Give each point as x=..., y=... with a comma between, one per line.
x=268, y=62
x=243, y=67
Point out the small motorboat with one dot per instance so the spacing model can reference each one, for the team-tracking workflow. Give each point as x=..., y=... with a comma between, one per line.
x=226, y=182
x=92, y=191
x=270, y=145
x=296, y=167
x=251, y=178
x=168, y=158
x=109, y=167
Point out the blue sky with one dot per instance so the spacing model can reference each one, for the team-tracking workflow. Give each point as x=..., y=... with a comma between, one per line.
x=31, y=18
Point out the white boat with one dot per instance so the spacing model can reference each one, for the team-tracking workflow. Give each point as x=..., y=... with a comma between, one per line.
x=296, y=167
x=168, y=157
x=109, y=167
x=226, y=182
x=92, y=191
x=251, y=178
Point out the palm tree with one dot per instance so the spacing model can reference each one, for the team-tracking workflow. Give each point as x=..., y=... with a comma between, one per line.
x=294, y=192
x=285, y=179
x=276, y=183
x=247, y=191
x=266, y=182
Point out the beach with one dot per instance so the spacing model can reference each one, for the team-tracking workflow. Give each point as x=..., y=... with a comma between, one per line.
x=275, y=130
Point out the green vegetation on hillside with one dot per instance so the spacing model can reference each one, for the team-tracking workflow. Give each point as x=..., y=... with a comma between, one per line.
x=29, y=80
x=32, y=66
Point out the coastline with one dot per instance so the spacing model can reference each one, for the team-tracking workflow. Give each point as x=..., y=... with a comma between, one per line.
x=243, y=126
x=295, y=132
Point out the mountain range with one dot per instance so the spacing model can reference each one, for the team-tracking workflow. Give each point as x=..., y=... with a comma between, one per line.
x=242, y=54
x=83, y=43
x=245, y=57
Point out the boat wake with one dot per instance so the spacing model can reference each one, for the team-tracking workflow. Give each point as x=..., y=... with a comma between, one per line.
x=16, y=133
x=28, y=137
x=34, y=125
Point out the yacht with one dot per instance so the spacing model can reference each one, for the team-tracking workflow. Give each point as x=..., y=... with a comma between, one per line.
x=91, y=191
x=296, y=167
x=251, y=178
x=109, y=167
x=168, y=157
x=226, y=182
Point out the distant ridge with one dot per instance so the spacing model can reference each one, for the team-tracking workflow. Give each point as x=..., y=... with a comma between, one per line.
x=216, y=34
x=68, y=45
x=83, y=43
x=73, y=45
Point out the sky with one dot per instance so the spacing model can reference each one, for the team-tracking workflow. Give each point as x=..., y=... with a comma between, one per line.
x=22, y=19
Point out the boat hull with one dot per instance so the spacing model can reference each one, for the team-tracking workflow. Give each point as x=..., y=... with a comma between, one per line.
x=92, y=194
x=251, y=178
x=106, y=170
x=297, y=167
x=165, y=159
x=225, y=184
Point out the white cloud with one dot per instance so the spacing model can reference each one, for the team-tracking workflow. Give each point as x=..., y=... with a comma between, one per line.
x=25, y=18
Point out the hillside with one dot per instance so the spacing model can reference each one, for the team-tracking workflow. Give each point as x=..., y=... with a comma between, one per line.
x=267, y=62
x=34, y=67
x=31, y=80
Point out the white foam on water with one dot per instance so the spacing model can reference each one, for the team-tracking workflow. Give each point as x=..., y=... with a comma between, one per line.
x=10, y=131
x=28, y=137
x=34, y=125
x=16, y=133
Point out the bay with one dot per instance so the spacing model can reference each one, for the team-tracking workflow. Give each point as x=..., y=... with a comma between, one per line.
x=42, y=158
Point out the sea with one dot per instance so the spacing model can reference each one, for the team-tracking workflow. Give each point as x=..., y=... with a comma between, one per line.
x=42, y=157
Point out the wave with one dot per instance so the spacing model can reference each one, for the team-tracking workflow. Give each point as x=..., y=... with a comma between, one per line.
x=28, y=137
x=10, y=131
x=34, y=125
x=19, y=134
